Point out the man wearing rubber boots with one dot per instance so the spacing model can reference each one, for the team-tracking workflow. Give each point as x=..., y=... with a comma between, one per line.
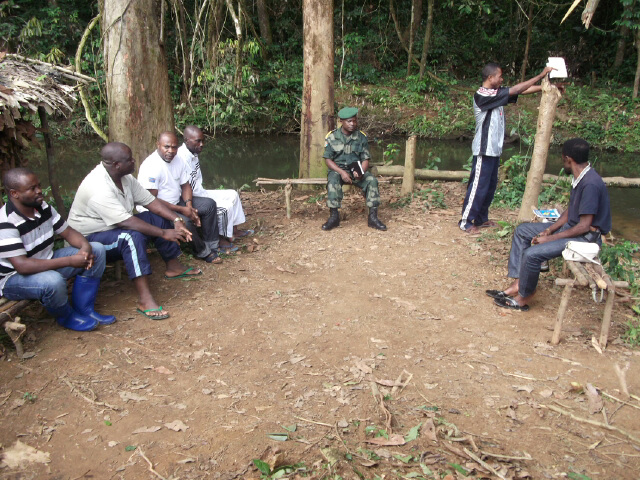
x=31, y=269
x=346, y=151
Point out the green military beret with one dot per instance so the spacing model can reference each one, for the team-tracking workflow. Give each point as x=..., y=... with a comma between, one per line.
x=347, y=112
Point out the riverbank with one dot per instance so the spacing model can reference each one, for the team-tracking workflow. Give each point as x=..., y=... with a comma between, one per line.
x=606, y=117
x=276, y=353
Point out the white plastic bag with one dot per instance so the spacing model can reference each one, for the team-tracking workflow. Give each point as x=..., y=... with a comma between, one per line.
x=581, y=252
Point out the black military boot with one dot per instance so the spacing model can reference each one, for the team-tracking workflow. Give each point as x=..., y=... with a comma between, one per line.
x=334, y=220
x=374, y=221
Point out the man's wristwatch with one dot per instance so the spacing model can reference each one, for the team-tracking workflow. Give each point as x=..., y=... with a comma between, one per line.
x=178, y=219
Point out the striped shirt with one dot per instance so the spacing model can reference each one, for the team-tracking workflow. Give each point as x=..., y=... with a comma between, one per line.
x=488, y=109
x=32, y=237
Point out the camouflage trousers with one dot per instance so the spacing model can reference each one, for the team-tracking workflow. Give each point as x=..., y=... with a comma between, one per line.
x=368, y=184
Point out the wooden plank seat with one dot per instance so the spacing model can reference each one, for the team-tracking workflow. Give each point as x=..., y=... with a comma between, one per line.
x=289, y=182
x=592, y=276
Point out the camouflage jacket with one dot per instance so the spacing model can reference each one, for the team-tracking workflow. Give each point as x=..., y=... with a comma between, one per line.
x=343, y=149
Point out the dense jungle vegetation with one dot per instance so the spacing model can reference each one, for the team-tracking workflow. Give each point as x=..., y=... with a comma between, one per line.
x=372, y=70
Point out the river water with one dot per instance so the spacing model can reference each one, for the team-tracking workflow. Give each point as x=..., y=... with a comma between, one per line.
x=234, y=161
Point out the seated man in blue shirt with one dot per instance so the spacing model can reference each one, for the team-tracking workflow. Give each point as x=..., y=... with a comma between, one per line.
x=586, y=220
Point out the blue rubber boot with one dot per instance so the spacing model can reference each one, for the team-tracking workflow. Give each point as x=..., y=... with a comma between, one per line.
x=67, y=317
x=83, y=299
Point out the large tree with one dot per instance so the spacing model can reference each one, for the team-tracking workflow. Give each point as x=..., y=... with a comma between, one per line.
x=317, y=91
x=137, y=78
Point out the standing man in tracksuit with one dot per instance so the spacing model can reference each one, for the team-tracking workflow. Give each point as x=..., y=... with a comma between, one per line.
x=488, y=107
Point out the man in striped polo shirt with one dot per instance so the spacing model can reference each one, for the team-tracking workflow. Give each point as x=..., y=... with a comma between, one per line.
x=31, y=269
x=488, y=103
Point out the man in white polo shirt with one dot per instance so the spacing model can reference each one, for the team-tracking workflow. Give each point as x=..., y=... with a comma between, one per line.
x=166, y=177
x=103, y=211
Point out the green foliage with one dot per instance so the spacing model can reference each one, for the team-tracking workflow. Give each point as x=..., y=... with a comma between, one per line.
x=511, y=189
x=391, y=152
x=621, y=263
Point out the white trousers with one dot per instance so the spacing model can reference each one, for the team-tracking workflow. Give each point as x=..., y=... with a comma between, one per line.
x=230, y=211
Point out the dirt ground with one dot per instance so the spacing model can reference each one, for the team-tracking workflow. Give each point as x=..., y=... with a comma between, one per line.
x=345, y=354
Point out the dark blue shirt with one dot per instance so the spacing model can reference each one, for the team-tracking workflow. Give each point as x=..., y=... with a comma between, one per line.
x=590, y=197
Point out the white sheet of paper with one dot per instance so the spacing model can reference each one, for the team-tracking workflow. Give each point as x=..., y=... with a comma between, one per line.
x=560, y=67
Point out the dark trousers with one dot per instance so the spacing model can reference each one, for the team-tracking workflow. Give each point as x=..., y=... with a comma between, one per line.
x=480, y=191
x=525, y=259
x=207, y=242
x=131, y=246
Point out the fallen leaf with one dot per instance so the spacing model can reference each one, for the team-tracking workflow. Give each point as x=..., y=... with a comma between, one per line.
x=126, y=396
x=20, y=454
x=332, y=455
x=176, y=426
x=393, y=440
x=146, y=430
x=546, y=393
x=429, y=430
x=524, y=388
x=278, y=437
x=595, y=401
x=363, y=367
x=387, y=383
x=413, y=433
x=596, y=345
x=163, y=370
x=186, y=460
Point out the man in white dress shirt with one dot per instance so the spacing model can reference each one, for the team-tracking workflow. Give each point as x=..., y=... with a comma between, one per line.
x=230, y=213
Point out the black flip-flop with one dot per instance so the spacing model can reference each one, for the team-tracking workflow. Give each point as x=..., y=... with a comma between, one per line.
x=510, y=303
x=496, y=293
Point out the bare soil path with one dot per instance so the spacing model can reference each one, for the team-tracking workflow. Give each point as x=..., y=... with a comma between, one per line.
x=341, y=343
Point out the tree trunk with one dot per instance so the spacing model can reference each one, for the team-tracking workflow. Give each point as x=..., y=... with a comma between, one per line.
x=546, y=114
x=137, y=78
x=317, y=91
x=214, y=29
x=622, y=42
x=181, y=27
x=412, y=33
x=589, y=10
x=636, y=82
x=237, y=23
x=263, y=20
x=51, y=162
x=427, y=38
x=525, y=60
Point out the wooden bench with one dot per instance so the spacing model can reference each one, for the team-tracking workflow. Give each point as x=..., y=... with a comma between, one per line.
x=594, y=277
x=289, y=182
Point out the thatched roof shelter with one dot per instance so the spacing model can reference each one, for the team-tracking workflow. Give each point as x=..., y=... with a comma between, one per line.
x=30, y=84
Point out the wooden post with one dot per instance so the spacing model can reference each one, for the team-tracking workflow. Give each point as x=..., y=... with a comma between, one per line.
x=53, y=178
x=608, y=308
x=546, y=114
x=409, y=166
x=287, y=198
x=564, y=301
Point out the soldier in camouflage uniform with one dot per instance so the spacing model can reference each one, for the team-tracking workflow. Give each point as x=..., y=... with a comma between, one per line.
x=344, y=146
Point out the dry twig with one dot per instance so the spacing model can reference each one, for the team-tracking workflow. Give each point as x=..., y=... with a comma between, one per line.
x=94, y=402
x=151, y=469
x=592, y=422
x=483, y=463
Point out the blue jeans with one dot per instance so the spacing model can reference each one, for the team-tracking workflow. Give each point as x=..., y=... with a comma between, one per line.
x=525, y=259
x=50, y=287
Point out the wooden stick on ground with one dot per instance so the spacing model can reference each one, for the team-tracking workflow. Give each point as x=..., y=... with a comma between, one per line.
x=592, y=422
x=151, y=469
x=483, y=463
